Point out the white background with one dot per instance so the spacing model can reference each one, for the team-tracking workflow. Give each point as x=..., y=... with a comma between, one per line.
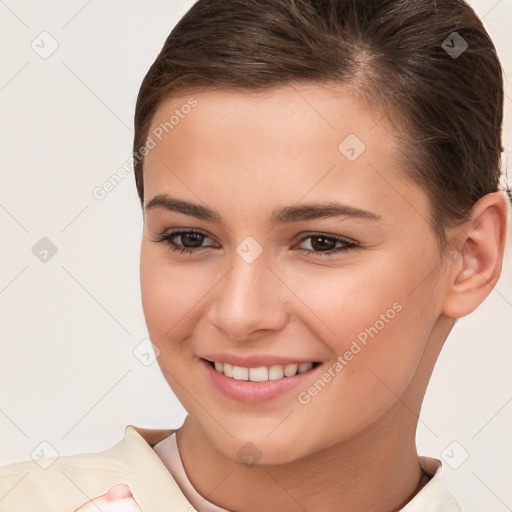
x=69, y=326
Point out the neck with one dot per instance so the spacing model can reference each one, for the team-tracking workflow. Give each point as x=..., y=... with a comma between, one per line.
x=376, y=470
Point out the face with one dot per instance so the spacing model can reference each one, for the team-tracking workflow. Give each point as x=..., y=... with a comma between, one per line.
x=283, y=244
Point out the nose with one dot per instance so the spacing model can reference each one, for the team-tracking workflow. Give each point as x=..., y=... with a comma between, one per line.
x=250, y=300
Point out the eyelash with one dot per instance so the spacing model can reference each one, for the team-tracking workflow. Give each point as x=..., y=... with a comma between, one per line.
x=167, y=239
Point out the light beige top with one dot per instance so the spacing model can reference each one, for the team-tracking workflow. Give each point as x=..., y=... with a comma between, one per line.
x=169, y=453
x=73, y=480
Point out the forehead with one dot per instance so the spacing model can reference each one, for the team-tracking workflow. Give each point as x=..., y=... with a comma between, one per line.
x=283, y=144
x=304, y=110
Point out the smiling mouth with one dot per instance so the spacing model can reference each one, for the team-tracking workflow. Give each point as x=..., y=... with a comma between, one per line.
x=262, y=373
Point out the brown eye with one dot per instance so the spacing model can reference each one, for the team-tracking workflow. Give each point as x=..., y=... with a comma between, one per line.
x=327, y=245
x=190, y=239
x=322, y=243
x=184, y=241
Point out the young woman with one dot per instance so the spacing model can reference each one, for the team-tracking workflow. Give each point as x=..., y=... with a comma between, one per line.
x=320, y=185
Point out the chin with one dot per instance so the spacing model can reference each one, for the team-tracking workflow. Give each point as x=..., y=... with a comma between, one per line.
x=260, y=450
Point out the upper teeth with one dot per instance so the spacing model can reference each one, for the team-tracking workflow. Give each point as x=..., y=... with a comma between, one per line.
x=261, y=373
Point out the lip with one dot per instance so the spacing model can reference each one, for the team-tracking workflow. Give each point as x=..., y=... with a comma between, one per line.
x=254, y=360
x=254, y=392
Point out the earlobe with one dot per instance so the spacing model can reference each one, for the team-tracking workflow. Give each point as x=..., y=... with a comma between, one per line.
x=477, y=267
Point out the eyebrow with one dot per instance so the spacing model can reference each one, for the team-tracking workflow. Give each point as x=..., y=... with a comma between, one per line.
x=281, y=215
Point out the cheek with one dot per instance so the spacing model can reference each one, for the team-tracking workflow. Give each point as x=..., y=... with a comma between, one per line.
x=374, y=323
x=350, y=302
x=169, y=293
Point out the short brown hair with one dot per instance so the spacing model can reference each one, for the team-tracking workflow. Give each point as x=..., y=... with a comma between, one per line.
x=392, y=53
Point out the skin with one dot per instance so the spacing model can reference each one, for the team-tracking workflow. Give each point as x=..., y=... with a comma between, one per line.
x=352, y=447
x=118, y=492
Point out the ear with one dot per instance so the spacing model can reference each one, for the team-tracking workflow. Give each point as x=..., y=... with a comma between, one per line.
x=476, y=255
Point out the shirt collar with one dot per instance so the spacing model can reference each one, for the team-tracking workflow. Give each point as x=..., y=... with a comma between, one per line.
x=433, y=497
x=152, y=485
x=154, y=488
